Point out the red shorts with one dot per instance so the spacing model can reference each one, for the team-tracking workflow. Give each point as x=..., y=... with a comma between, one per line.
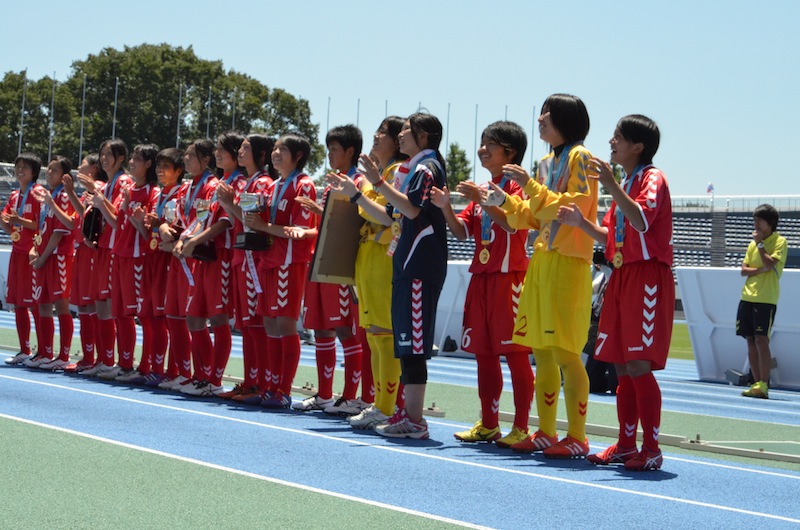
x=489, y=312
x=81, y=293
x=20, y=280
x=101, y=274
x=328, y=306
x=177, y=288
x=637, y=315
x=245, y=296
x=211, y=294
x=128, y=274
x=283, y=289
x=156, y=267
x=52, y=281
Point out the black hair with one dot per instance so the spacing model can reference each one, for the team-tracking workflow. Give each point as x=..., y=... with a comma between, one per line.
x=94, y=161
x=149, y=152
x=230, y=141
x=32, y=161
x=509, y=135
x=64, y=162
x=394, y=124
x=297, y=143
x=261, y=147
x=429, y=124
x=569, y=117
x=174, y=156
x=768, y=213
x=636, y=129
x=118, y=148
x=347, y=136
x=204, y=148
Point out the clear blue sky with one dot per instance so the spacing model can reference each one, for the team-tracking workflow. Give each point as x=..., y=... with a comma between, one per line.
x=720, y=78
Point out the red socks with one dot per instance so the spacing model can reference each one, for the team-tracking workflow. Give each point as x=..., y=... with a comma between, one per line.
x=627, y=412
x=202, y=354
x=126, y=341
x=490, y=386
x=326, y=364
x=46, y=332
x=66, y=328
x=222, y=352
x=87, y=321
x=180, y=352
x=522, y=380
x=105, y=337
x=352, y=366
x=648, y=401
x=290, y=353
x=23, y=329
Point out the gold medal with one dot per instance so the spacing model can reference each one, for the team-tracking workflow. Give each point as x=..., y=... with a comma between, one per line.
x=483, y=257
x=396, y=229
x=15, y=236
x=37, y=240
x=153, y=244
x=618, y=260
x=546, y=235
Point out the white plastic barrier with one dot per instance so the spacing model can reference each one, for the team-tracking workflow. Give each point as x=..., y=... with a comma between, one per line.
x=450, y=312
x=710, y=298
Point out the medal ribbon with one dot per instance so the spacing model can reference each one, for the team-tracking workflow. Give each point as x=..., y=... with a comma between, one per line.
x=187, y=207
x=46, y=209
x=278, y=197
x=619, y=227
x=486, y=221
x=108, y=191
x=552, y=177
x=23, y=201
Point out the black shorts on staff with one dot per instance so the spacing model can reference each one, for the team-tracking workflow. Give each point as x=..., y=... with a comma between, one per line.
x=754, y=318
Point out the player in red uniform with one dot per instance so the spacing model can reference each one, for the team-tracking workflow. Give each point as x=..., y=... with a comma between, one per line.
x=255, y=155
x=498, y=272
x=636, y=320
x=283, y=268
x=51, y=259
x=330, y=309
x=113, y=154
x=211, y=299
x=85, y=249
x=20, y=219
x=131, y=245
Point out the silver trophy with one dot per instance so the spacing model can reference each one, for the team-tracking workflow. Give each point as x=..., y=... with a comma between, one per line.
x=171, y=211
x=249, y=239
x=206, y=251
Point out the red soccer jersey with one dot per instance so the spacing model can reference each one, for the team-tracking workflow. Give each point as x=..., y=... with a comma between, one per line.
x=129, y=243
x=506, y=250
x=201, y=187
x=288, y=212
x=258, y=183
x=50, y=224
x=650, y=191
x=30, y=210
x=225, y=239
x=113, y=192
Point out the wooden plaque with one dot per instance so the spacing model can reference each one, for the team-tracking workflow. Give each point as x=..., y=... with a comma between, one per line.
x=337, y=243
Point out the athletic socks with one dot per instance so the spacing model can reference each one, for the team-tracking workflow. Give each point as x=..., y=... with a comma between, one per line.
x=490, y=387
x=290, y=353
x=222, y=352
x=387, y=371
x=126, y=341
x=576, y=391
x=159, y=341
x=180, y=349
x=352, y=367
x=522, y=381
x=648, y=402
x=66, y=328
x=202, y=354
x=87, y=321
x=274, y=368
x=367, y=377
x=105, y=337
x=326, y=364
x=548, y=386
x=46, y=332
x=627, y=411
x=23, y=321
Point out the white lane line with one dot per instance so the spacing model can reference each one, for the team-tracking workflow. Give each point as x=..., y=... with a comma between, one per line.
x=246, y=473
x=441, y=458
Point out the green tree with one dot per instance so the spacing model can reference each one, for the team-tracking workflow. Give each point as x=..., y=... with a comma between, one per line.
x=151, y=80
x=458, y=167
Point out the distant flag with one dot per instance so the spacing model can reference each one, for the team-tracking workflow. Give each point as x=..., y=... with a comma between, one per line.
x=710, y=188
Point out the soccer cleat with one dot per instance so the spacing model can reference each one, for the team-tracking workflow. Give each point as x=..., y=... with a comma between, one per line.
x=313, y=403
x=202, y=389
x=251, y=396
x=346, y=407
x=18, y=359
x=645, y=460
x=757, y=390
x=404, y=428
x=568, y=447
x=276, y=400
x=109, y=373
x=93, y=371
x=36, y=361
x=613, y=455
x=54, y=364
x=368, y=418
x=538, y=441
x=235, y=391
x=133, y=377
x=515, y=436
x=78, y=367
x=153, y=380
x=478, y=433
x=172, y=383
